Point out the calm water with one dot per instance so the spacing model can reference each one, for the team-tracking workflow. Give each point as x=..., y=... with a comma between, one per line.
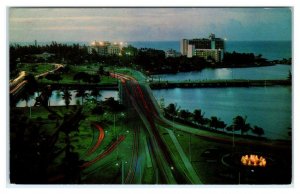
x=266, y=107
x=257, y=73
x=57, y=100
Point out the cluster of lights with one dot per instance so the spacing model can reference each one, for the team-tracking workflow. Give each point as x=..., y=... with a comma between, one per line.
x=101, y=43
x=253, y=160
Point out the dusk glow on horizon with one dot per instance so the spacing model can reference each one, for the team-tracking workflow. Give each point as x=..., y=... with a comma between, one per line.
x=148, y=24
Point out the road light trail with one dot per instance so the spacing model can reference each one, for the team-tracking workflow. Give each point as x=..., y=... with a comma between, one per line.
x=161, y=154
x=18, y=83
x=105, y=153
x=99, y=139
x=135, y=153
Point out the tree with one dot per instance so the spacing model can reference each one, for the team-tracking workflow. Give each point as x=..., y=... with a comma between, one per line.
x=171, y=109
x=113, y=105
x=80, y=76
x=67, y=97
x=95, y=79
x=184, y=114
x=29, y=89
x=258, y=131
x=71, y=162
x=213, y=122
x=81, y=93
x=221, y=124
x=25, y=95
x=198, y=116
x=96, y=93
x=101, y=70
x=239, y=123
x=53, y=77
x=98, y=110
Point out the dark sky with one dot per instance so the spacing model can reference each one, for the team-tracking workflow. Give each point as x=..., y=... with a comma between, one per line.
x=143, y=24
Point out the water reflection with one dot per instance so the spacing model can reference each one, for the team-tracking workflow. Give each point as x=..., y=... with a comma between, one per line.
x=251, y=73
x=266, y=107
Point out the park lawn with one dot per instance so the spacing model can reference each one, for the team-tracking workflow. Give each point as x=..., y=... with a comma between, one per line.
x=68, y=79
x=39, y=67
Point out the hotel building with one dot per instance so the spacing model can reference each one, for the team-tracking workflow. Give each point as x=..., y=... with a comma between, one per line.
x=105, y=48
x=210, y=48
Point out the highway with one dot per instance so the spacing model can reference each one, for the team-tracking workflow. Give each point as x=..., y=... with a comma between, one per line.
x=170, y=170
x=157, y=126
x=18, y=83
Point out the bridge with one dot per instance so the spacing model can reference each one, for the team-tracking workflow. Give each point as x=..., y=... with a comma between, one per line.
x=137, y=94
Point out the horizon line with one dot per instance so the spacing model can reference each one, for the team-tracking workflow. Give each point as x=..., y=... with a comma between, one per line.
x=77, y=41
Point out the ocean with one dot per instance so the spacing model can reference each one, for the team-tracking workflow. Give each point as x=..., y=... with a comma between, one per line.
x=270, y=50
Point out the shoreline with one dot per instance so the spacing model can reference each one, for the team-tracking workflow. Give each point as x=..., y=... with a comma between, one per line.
x=201, y=128
x=217, y=67
x=218, y=84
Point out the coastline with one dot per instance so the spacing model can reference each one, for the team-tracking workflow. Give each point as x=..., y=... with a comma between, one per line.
x=221, y=66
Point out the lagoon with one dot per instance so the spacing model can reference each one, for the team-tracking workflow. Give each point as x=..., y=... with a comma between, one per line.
x=248, y=73
x=266, y=107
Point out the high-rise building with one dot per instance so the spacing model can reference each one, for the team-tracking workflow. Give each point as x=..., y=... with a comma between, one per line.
x=191, y=51
x=209, y=48
x=114, y=49
x=184, y=46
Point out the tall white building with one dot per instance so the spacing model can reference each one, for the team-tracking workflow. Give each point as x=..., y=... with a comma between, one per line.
x=211, y=48
x=184, y=46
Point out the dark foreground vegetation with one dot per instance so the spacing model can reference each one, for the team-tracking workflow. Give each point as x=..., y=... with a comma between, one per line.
x=48, y=144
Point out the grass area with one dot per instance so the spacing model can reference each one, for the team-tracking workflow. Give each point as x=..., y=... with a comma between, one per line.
x=36, y=68
x=67, y=78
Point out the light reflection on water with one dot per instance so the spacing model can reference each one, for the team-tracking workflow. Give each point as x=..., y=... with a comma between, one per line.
x=249, y=73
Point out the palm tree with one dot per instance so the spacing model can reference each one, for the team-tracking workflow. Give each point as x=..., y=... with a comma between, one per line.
x=81, y=93
x=198, y=116
x=44, y=97
x=29, y=88
x=184, y=114
x=172, y=109
x=67, y=96
x=258, y=130
x=95, y=93
x=214, y=122
x=239, y=123
x=26, y=96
